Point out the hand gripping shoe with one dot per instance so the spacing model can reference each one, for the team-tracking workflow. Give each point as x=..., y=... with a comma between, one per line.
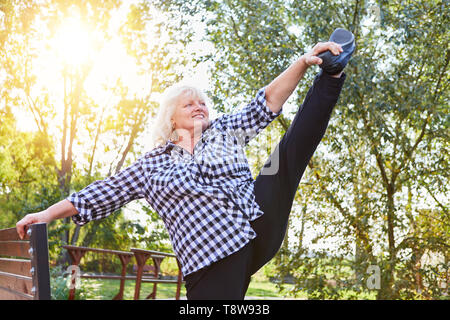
x=332, y=64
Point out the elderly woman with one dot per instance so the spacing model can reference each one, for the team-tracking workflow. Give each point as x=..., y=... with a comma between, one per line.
x=223, y=224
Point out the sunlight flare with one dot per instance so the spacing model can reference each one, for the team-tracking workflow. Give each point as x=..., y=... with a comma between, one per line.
x=74, y=43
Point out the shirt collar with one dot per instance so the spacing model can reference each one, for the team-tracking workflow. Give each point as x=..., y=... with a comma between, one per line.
x=169, y=145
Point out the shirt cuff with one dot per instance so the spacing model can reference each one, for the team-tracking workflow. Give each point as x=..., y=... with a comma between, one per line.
x=84, y=211
x=267, y=113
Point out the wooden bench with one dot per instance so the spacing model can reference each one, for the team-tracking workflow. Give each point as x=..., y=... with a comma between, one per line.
x=76, y=253
x=25, y=272
x=141, y=256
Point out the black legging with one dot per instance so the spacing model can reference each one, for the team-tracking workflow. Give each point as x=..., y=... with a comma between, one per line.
x=229, y=278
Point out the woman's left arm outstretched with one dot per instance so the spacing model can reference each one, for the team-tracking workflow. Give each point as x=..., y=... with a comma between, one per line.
x=280, y=89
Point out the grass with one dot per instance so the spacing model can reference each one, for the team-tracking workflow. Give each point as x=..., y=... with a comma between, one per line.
x=98, y=289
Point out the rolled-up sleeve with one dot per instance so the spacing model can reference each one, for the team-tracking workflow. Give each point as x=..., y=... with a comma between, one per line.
x=101, y=198
x=252, y=118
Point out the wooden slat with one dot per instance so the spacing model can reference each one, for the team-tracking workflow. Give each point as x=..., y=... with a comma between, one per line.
x=144, y=279
x=15, y=248
x=152, y=252
x=87, y=249
x=10, y=235
x=150, y=280
x=16, y=266
x=102, y=276
x=16, y=282
x=93, y=276
x=8, y=294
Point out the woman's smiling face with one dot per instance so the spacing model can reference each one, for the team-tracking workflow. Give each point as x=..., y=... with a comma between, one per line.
x=190, y=112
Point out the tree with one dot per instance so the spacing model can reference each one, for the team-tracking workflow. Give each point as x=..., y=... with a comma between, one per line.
x=26, y=159
x=72, y=123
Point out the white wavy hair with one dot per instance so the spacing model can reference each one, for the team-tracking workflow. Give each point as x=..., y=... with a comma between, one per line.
x=162, y=130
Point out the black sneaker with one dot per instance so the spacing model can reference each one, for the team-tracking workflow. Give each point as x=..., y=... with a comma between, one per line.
x=332, y=64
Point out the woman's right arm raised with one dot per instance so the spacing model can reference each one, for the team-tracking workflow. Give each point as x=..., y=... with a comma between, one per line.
x=62, y=209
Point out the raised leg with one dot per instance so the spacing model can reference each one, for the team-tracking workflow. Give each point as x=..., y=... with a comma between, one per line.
x=275, y=189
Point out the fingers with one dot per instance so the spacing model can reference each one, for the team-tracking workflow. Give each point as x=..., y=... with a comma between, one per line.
x=21, y=226
x=324, y=46
x=311, y=57
x=313, y=60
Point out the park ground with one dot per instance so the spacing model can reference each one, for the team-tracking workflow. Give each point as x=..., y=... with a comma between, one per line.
x=95, y=289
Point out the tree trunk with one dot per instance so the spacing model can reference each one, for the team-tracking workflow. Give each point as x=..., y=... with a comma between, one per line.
x=65, y=174
x=387, y=290
x=76, y=234
x=133, y=136
x=91, y=160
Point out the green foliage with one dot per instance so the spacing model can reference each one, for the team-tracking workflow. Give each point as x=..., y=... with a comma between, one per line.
x=27, y=177
x=60, y=281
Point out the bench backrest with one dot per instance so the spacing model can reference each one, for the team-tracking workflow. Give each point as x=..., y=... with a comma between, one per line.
x=24, y=267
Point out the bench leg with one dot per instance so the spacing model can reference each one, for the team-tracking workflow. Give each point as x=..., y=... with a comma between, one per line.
x=157, y=264
x=75, y=256
x=141, y=258
x=124, y=260
x=180, y=275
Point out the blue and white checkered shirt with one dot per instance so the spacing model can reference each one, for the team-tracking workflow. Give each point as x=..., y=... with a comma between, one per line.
x=206, y=199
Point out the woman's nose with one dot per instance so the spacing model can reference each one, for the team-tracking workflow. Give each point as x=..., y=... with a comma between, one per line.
x=198, y=107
